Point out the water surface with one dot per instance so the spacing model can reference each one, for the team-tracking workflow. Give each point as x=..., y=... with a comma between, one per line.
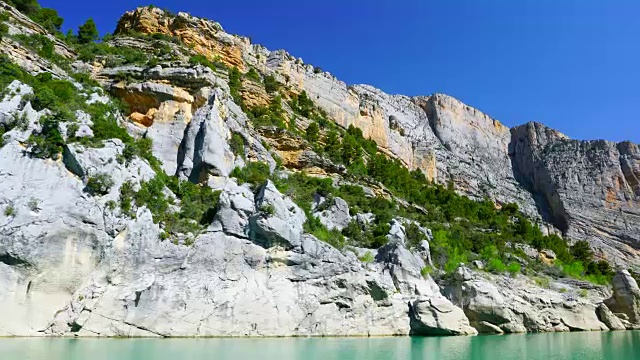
x=568, y=346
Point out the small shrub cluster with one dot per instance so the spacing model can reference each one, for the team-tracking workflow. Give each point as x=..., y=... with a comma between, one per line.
x=99, y=184
x=48, y=18
x=197, y=203
x=113, y=55
x=235, y=84
x=9, y=211
x=253, y=75
x=255, y=173
x=48, y=142
x=4, y=28
x=367, y=257
x=270, y=84
x=204, y=61
x=237, y=144
x=272, y=115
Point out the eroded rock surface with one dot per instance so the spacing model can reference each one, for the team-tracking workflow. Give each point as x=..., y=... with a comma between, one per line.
x=502, y=304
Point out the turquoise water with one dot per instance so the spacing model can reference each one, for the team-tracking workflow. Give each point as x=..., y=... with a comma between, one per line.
x=584, y=346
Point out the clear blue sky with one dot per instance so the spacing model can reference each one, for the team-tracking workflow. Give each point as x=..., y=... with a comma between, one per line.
x=571, y=64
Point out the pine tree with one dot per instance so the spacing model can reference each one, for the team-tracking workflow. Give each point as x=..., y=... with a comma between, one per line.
x=88, y=32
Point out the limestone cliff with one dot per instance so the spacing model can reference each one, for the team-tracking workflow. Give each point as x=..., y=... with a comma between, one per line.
x=451, y=141
x=590, y=187
x=98, y=235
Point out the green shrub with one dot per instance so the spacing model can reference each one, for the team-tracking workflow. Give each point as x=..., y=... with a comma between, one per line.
x=414, y=236
x=40, y=44
x=113, y=56
x=152, y=195
x=514, y=268
x=34, y=204
x=273, y=115
x=99, y=184
x=302, y=105
x=142, y=148
x=268, y=210
x=426, y=271
x=197, y=202
x=496, y=265
x=9, y=211
x=313, y=132
x=574, y=269
x=357, y=235
x=127, y=194
x=367, y=257
x=204, y=61
x=111, y=205
x=48, y=143
x=253, y=75
x=48, y=18
x=254, y=173
x=581, y=251
x=455, y=258
x=332, y=237
x=237, y=144
x=543, y=282
x=235, y=84
x=4, y=30
x=270, y=84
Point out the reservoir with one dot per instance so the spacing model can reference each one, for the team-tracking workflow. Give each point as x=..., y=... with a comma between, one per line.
x=557, y=346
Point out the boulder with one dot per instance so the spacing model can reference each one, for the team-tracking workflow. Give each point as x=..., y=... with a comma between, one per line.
x=279, y=220
x=423, y=250
x=235, y=206
x=204, y=150
x=336, y=216
x=405, y=268
x=397, y=233
x=608, y=318
x=626, y=296
x=437, y=316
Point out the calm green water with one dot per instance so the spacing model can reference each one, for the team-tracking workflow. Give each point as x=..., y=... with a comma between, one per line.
x=583, y=346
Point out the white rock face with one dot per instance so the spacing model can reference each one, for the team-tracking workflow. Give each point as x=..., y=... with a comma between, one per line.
x=204, y=149
x=279, y=222
x=134, y=284
x=497, y=304
x=336, y=216
x=626, y=296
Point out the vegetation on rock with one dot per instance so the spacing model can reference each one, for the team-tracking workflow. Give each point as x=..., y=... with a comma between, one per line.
x=48, y=18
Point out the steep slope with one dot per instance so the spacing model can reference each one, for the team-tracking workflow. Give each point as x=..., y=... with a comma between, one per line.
x=591, y=186
x=148, y=188
x=447, y=140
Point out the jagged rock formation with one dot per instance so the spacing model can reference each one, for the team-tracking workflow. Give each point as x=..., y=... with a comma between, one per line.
x=449, y=140
x=496, y=304
x=117, y=278
x=591, y=188
x=73, y=264
x=626, y=296
x=21, y=24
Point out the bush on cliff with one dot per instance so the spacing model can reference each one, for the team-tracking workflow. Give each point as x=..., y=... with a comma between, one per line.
x=48, y=18
x=255, y=173
x=99, y=184
x=272, y=115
